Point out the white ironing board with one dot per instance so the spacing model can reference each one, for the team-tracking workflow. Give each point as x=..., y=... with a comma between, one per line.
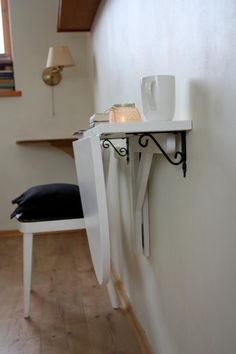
x=90, y=173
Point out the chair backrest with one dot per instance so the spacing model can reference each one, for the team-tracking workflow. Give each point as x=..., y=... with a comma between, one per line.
x=90, y=173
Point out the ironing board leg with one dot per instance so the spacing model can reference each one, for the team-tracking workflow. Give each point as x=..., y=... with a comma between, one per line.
x=112, y=294
x=27, y=268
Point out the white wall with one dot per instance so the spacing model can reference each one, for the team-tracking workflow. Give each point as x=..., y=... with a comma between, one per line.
x=34, y=26
x=184, y=295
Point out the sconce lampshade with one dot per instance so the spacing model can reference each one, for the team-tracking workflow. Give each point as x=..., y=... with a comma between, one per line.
x=59, y=56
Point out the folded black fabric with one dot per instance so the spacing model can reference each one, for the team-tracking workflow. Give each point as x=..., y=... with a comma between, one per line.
x=53, y=201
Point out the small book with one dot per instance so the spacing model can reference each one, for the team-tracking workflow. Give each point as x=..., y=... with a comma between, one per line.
x=9, y=75
x=7, y=81
x=99, y=117
x=11, y=85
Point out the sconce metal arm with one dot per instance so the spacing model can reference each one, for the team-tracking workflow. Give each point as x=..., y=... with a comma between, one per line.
x=182, y=155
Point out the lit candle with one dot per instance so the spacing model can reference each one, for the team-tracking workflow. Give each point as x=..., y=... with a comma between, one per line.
x=126, y=113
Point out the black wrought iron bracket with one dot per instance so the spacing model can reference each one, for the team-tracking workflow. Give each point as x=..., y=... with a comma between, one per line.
x=123, y=151
x=180, y=156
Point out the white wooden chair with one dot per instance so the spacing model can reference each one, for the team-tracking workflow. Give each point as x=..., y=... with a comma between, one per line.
x=28, y=229
x=88, y=160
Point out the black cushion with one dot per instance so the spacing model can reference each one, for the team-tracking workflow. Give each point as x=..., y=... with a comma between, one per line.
x=53, y=201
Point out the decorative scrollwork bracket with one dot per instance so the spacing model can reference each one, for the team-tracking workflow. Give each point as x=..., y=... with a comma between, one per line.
x=123, y=151
x=180, y=156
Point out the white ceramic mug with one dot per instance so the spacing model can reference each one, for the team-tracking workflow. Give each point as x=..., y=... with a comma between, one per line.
x=158, y=97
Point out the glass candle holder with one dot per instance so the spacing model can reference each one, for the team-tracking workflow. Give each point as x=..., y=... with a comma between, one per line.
x=124, y=113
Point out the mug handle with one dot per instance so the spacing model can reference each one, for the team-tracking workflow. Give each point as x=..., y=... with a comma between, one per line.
x=149, y=88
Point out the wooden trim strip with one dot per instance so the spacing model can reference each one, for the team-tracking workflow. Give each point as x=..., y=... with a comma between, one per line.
x=6, y=27
x=128, y=310
x=10, y=233
x=9, y=93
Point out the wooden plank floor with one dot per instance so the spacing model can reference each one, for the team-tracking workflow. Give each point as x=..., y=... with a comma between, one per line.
x=70, y=312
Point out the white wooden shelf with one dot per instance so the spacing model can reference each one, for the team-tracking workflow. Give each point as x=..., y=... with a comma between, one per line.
x=121, y=130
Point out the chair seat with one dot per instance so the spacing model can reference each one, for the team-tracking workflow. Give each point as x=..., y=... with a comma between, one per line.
x=55, y=201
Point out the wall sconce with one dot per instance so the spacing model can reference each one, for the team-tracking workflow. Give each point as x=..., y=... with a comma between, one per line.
x=59, y=57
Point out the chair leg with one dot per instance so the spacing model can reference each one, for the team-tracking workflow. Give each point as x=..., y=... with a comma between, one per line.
x=27, y=265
